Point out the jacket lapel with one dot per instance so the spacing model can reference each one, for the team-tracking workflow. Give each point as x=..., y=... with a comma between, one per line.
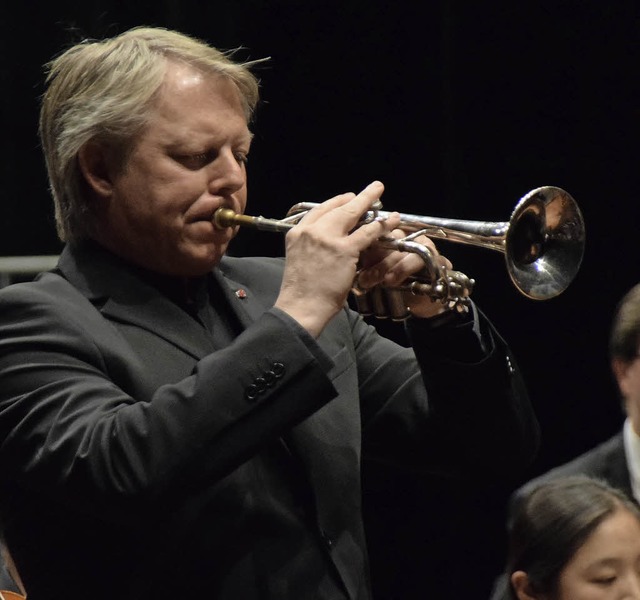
x=243, y=301
x=616, y=467
x=122, y=297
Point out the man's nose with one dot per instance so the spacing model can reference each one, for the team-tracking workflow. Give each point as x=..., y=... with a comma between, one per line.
x=226, y=173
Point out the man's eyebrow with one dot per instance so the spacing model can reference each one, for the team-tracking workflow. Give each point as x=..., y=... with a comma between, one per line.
x=176, y=145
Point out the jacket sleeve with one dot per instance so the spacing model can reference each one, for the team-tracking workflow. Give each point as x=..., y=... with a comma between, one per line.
x=462, y=411
x=76, y=420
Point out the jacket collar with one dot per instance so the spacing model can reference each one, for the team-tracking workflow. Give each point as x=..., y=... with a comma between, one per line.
x=116, y=289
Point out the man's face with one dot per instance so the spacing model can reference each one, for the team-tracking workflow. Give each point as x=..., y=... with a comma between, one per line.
x=188, y=161
x=627, y=375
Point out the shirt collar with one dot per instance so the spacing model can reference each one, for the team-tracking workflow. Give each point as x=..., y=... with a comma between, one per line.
x=632, y=452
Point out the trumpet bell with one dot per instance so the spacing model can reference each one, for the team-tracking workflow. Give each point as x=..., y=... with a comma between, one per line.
x=544, y=243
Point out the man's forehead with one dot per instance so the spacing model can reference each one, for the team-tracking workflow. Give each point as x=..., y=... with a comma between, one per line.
x=186, y=88
x=182, y=76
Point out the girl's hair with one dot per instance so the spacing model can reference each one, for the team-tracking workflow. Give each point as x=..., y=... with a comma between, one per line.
x=553, y=521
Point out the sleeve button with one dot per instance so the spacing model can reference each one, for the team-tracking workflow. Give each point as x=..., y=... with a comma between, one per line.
x=260, y=384
x=252, y=392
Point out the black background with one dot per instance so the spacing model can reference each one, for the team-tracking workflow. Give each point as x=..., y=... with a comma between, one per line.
x=459, y=108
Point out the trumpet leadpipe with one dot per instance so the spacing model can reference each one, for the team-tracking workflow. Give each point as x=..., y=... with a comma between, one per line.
x=226, y=217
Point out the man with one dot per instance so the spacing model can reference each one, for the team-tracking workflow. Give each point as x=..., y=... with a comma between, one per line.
x=180, y=424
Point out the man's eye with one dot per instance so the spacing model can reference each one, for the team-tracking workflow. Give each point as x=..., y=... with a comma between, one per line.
x=195, y=161
x=242, y=157
x=202, y=157
x=199, y=160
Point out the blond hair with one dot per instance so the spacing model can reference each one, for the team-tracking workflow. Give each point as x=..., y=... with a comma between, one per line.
x=102, y=90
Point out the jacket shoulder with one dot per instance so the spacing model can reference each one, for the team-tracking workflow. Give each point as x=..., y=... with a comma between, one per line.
x=595, y=463
x=591, y=462
x=48, y=289
x=48, y=303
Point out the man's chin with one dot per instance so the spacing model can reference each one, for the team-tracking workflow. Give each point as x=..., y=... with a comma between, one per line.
x=202, y=262
x=184, y=264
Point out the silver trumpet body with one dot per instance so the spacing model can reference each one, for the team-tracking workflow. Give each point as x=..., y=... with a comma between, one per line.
x=542, y=242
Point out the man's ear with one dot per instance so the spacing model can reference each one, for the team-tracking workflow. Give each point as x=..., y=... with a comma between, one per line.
x=522, y=587
x=620, y=368
x=94, y=164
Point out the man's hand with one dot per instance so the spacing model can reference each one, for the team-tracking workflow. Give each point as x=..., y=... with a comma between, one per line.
x=391, y=268
x=322, y=255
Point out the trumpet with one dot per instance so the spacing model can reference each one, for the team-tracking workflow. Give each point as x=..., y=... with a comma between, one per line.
x=543, y=245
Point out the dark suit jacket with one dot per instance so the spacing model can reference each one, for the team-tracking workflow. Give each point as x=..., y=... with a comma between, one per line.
x=140, y=461
x=607, y=462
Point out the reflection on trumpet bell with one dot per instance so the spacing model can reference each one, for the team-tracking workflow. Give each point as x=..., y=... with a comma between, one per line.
x=543, y=243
